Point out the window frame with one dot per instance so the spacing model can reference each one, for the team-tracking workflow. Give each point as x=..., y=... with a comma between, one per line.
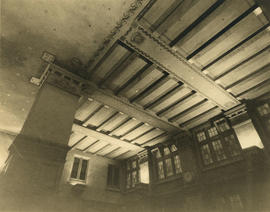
x=79, y=170
x=226, y=148
x=163, y=159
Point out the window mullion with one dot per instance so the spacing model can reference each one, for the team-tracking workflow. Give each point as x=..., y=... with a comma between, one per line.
x=79, y=169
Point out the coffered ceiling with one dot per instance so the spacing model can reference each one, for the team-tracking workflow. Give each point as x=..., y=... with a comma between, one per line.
x=166, y=67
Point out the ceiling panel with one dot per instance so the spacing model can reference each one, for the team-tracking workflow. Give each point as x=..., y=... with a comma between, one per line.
x=194, y=99
x=74, y=138
x=181, y=92
x=86, y=109
x=212, y=24
x=187, y=13
x=155, y=94
x=126, y=127
x=97, y=146
x=127, y=73
x=111, y=124
x=111, y=60
x=160, y=139
x=100, y=116
x=202, y=119
x=117, y=153
x=229, y=39
x=246, y=69
x=248, y=49
x=148, y=136
x=257, y=92
x=142, y=82
x=86, y=142
x=107, y=149
x=161, y=6
x=137, y=132
x=193, y=113
x=249, y=83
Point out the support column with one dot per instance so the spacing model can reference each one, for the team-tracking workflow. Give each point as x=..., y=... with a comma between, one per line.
x=38, y=153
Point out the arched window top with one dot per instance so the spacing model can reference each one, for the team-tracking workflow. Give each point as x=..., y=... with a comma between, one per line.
x=173, y=148
x=166, y=151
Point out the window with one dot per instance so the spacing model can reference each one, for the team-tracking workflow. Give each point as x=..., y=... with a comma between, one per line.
x=206, y=155
x=160, y=170
x=235, y=201
x=79, y=169
x=212, y=132
x=222, y=125
x=177, y=164
x=113, y=176
x=233, y=147
x=218, y=148
x=132, y=173
x=201, y=136
x=263, y=109
x=169, y=169
x=167, y=161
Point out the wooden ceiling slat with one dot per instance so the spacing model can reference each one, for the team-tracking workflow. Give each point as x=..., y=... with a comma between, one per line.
x=240, y=55
x=231, y=38
x=214, y=23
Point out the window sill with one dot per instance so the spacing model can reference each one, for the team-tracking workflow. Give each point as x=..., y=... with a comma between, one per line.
x=222, y=163
x=114, y=189
x=169, y=179
x=74, y=182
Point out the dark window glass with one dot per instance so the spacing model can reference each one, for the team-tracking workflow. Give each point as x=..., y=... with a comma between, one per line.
x=233, y=148
x=212, y=132
x=206, y=154
x=83, y=170
x=218, y=148
x=169, y=169
x=177, y=164
x=201, y=136
x=75, y=168
x=263, y=109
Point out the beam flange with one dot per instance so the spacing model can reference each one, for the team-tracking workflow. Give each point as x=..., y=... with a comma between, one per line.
x=178, y=67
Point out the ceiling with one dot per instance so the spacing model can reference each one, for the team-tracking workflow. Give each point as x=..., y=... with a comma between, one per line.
x=179, y=64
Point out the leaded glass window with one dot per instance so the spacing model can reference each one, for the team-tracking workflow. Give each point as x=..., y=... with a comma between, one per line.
x=233, y=147
x=160, y=170
x=206, y=154
x=169, y=169
x=201, y=136
x=177, y=164
x=212, y=132
x=218, y=148
x=264, y=109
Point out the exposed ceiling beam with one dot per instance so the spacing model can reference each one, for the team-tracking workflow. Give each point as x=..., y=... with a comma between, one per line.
x=177, y=66
x=100, y=136
x=106, y=97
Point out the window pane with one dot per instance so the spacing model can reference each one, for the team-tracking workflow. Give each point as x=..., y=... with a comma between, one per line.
x=128, y=180
x=236, y=202
x=134, y=164
x=134, y=178
x=83, y=170
x=166, y=151
x=264, y=109
x=201, y=136
x=233, y=148
x=223, y=125
x=75, y=168
x=169, y=170
x=218, y=148
x=160, y=170
x=110, y=174
x=157, y=154
x=207, y=157
x=212, y=132
x=144, y=172
x=177, y=164
x=116, y=176
x=173, y=148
